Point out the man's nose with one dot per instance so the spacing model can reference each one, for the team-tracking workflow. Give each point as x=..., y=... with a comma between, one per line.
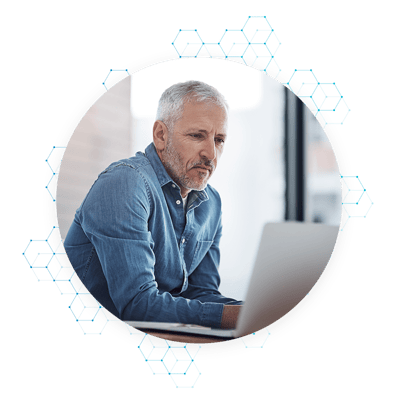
x=208, y=149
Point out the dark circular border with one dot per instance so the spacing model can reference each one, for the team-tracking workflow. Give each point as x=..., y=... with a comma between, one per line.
x=235, y=346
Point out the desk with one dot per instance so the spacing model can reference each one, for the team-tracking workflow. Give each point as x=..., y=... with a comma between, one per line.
x=184, y=337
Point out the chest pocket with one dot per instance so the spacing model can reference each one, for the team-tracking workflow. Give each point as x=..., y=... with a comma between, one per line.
x=201, y=250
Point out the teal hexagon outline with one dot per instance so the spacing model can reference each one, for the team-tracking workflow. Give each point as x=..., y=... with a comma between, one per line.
x=362, y=192
x=170, y=371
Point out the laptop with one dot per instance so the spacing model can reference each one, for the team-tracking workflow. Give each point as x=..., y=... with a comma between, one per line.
x=290, y=259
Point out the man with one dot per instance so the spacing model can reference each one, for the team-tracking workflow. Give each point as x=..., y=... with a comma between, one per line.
x=145, y=240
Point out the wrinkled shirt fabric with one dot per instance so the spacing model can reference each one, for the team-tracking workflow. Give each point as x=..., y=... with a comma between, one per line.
x=140, y=253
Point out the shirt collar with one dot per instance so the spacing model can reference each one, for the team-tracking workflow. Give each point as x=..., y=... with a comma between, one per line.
x=162, y=174
x=159, y=169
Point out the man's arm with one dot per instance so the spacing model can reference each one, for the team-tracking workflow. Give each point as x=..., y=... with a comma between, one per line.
x=230, y=316
x=115, y=217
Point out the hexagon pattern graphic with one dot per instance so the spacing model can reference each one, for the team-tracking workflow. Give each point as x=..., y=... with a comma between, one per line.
x=356, y=201
x=110, y=72
x=170, y=358
x=255, y=44
x=176, y=361
x=256, y=340
x=54, y=161
x=323, y=99
x=47, y=258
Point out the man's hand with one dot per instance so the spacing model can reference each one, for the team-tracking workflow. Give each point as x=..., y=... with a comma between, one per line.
x=229, y=316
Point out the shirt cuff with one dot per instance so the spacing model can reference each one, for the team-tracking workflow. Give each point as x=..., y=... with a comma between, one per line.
x=212, y=314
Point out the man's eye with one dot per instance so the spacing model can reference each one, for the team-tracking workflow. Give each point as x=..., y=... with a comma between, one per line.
x=220, y=141
x=196, y=135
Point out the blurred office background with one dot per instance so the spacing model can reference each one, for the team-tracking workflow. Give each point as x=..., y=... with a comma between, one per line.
x=277, y=164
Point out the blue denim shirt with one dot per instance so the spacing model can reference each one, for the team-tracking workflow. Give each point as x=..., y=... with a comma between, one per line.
x=140, y=254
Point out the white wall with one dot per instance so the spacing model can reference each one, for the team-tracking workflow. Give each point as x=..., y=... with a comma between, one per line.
x=101, y=137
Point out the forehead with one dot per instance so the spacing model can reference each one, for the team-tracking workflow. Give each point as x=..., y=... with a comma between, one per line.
x=204, y=113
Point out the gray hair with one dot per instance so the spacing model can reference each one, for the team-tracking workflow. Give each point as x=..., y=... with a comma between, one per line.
x=171, y=103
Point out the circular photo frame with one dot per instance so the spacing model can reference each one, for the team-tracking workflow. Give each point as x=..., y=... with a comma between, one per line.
x=216, y=349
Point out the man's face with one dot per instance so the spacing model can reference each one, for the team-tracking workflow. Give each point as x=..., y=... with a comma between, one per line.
x=193, y=150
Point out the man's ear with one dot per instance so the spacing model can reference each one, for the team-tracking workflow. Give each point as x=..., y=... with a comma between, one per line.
x=160, y=136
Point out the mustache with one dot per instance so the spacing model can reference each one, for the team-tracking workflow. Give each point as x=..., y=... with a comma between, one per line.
x=209, y=164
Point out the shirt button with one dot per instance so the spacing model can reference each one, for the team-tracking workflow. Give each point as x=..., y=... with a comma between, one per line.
x=178, y=202
x=173, y=186
x=183, y=240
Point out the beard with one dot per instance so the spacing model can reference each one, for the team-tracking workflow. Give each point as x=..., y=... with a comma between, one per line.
x=175, y=167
